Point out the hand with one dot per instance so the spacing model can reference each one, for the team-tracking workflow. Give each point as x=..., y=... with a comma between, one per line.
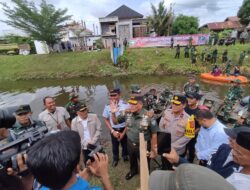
x=150, y=114
x=153, y=154
x=99, y=167
x=172, y=157
x=21, y=165
x=116, y=134
x=121, y=136
x=113, y=106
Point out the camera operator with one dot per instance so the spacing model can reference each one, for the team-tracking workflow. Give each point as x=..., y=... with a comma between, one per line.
x=23, y=122
x=54, y=162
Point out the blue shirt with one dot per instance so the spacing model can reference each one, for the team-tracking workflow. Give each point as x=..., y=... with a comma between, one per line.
x=209, y=140
x=80, y=184
x=122, y=106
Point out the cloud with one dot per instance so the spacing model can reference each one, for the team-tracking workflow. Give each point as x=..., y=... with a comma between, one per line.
x=91, y=10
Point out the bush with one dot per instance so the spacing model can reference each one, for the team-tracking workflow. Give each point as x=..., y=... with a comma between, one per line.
x=123, y=61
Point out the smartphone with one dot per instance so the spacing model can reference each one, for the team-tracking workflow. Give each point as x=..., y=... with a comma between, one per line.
x=163, y=142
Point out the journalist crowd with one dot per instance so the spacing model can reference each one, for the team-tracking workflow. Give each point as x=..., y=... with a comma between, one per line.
x=204, y=153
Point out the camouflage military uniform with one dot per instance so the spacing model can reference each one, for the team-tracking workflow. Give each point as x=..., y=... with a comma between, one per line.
x=235, y=93
x=71, y=108
x=18, y=129
x=242, y=57
x=191, y=88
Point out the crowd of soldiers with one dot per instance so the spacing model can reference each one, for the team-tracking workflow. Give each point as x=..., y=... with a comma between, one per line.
x=178, y=114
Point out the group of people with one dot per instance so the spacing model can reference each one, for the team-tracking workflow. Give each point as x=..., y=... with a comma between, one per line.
x=62, y=160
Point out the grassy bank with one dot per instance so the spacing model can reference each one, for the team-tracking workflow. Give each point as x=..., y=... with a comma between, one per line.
x=85, y=64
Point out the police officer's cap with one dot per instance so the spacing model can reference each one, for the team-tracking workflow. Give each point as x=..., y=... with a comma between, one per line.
x=135, y=99
x=22, y=109
x=114, y=92
x=179, y=99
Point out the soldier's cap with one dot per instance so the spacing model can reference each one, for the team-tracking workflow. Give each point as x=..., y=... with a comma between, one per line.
x=114, y=92
x=193, y=95
x=179, y=99
x=188, y=177
x=191, y=77
x=134, y=100
x=237, y=81
x=72, y=95
x=81, y=107
x=22, y=109
x=233, y=132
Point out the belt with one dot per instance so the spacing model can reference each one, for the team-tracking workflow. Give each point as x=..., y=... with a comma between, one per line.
x=119, y=129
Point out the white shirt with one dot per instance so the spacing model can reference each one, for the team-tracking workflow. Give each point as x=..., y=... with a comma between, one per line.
x=239, y=180
x=122, y=106
x=52, y=120
x=85, y=129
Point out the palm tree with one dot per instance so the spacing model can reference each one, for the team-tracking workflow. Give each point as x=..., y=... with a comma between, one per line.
x=161, y=20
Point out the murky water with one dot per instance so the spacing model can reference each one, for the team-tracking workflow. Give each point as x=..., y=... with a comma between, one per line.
x=93, y=91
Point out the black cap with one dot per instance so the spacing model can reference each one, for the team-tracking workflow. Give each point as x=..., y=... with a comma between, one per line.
x=23, y=109
x=114, y=92
x=233, y=133
x=243, y=139
x=81, y=107
x=193, y=95
x=179, y=99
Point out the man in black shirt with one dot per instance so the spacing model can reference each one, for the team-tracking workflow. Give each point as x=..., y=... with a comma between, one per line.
x=191, y=109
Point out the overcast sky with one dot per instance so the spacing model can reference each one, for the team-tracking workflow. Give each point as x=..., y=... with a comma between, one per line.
x=90, y=10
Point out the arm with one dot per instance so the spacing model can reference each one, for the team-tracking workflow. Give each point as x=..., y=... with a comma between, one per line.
x=66, y=118
x=99, y=168
x=153, y=152
x=98, y=130
x=174, y=158
x=180, y=143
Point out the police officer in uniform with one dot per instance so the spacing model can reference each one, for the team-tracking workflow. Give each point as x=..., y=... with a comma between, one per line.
x=117, y=131
x=138, y=120
x=174, y=121
x=23, y=122
x=72, y=105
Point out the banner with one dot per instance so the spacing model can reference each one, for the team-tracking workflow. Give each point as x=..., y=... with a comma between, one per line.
x=165, y=41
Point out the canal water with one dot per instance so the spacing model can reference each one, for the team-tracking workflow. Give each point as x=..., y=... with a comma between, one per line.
x=93, y=91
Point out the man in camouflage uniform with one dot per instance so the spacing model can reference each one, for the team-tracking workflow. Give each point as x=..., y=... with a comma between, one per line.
x=244, y=120
x=137, y=120
x=228, y=67
x=242, y=57
x=234, y=93
x=214, y=55
x=72, y=104
x=191, y=86
x=224, y=56
x=23, y=122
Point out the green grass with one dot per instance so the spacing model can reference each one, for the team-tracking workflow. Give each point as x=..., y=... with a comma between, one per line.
x=85, y=64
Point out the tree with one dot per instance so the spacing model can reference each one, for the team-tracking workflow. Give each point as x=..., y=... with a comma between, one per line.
x=161, y=20
x=244, y=12
x=185, y=25
x=43, y=23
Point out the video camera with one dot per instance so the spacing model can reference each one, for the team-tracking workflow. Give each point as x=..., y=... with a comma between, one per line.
x=7, y=119
x=9, y=149
x=93, y=150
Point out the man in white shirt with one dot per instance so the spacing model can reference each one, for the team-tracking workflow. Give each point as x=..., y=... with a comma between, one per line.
x=55, y=118
x=89, y=128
